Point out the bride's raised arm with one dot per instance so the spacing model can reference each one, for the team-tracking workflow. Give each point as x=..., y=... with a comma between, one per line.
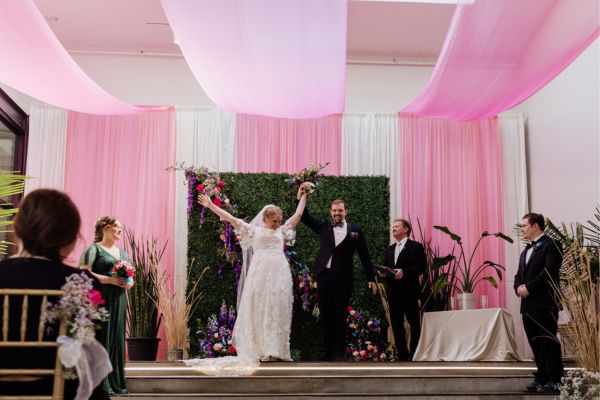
x=222, y=214
x=302, y=196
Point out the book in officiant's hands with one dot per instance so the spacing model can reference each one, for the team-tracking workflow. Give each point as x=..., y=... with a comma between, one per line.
x=387, y=271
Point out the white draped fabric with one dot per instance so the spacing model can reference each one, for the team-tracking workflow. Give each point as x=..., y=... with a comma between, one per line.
x=369, y=147
x=516, y=205
x=204, y=137
x=46, y=147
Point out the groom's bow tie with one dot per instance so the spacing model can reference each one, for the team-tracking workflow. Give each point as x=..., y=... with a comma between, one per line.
x=337, y=225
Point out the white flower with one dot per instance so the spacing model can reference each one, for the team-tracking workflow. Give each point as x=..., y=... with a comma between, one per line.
x=217, y=347
x=216, y=335
x=352, y=312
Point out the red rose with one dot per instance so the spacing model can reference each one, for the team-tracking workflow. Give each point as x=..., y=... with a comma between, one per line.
x=130, y=272
x=218, y=189
x=349, y=308
x=232, y=350
x=221, y=183
x=200, y=187
x=95, y=297
x=217, y=202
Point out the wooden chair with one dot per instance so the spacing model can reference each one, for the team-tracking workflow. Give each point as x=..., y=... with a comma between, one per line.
x=24, y=341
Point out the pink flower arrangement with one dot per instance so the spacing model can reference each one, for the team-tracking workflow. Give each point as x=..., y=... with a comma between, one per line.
x=123, y=269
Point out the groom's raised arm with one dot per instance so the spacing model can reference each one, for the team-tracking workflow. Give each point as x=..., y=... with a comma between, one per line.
x=310, y=221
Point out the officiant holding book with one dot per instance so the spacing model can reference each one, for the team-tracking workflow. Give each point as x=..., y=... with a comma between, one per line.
x=406, y=260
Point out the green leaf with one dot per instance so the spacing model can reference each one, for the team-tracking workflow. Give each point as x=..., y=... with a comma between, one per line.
x=447, y=231
x=439, y=262
x=491, y=280
x=503, y=236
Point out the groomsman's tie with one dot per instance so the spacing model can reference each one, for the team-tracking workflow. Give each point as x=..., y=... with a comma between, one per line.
x=397, y=251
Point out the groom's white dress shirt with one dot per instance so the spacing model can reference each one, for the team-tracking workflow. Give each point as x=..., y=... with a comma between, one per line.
x=339, y=234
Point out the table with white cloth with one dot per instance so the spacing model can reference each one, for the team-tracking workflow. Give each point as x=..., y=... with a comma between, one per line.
x=467, y=335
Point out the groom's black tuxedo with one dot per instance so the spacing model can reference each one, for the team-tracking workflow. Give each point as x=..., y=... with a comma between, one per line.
x=403, y=294
x=334, y=284
x=539, y=309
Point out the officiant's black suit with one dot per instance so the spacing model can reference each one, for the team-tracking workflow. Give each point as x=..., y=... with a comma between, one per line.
x=334, y=284
x=404, y=294
x=539, y=310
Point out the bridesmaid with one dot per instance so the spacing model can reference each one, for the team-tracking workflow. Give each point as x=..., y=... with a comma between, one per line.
x=99, y=258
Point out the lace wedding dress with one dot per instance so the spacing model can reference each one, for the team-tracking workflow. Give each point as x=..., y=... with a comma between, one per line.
x=264, y=317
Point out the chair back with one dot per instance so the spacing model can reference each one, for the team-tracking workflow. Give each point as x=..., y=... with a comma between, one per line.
x=30, y=340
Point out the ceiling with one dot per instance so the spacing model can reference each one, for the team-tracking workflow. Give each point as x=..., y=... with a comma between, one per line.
x=378, y=31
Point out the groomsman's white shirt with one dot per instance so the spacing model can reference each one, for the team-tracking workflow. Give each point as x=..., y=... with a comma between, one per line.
x=530, y=250
x=339, y=234
x=399, y=246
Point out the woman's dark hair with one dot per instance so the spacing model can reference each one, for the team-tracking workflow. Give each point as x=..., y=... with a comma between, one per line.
x=100, y=225
x=47, y=221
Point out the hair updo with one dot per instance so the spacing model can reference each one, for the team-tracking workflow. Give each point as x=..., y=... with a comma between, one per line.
x=100, y=225
x=272, y=211
x=47, y=222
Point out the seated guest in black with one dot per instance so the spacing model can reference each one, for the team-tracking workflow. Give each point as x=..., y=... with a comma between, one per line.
x=46, y=228
x=406, y=258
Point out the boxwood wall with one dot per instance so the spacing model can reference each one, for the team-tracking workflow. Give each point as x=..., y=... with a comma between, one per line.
x=368, y=207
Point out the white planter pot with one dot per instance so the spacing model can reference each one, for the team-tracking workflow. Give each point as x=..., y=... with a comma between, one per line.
x=467, y=301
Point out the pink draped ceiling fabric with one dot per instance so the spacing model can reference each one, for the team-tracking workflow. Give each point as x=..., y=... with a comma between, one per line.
x=35, y=63
x=451, y=175
x=498, y=53
x=115, y=165
x=265, y=57
x=266, y=144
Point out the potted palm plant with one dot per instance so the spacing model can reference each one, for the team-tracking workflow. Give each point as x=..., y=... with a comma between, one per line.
x=143, y=317
x=461, y=275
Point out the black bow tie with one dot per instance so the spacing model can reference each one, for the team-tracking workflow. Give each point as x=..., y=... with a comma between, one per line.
x=338, y=225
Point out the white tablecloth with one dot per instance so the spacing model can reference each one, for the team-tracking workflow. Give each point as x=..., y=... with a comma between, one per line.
x=469, y=335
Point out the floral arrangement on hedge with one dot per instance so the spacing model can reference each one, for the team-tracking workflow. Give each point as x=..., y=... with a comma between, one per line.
x=305, y=284
x=364, y=341
x=215, y=340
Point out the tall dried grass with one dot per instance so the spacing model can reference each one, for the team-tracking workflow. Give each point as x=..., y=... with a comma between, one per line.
x=176, y=308
x=578, y=294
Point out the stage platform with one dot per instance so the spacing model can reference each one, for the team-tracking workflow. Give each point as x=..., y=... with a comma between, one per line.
x=291, y=381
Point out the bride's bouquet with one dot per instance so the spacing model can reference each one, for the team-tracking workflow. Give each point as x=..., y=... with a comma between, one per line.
x=123, y=269
x=309, y=174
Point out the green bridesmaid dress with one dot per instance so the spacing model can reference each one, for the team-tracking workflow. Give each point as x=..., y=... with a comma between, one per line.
x=112, y=332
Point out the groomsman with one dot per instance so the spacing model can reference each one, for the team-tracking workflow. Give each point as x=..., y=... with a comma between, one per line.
x=538, y=266
x=334, y=268
x=407, y=259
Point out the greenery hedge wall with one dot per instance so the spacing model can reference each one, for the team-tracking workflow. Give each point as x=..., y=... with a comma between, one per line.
x=368, y=207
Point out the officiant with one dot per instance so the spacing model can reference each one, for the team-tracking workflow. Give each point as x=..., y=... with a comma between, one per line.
x=406, y=262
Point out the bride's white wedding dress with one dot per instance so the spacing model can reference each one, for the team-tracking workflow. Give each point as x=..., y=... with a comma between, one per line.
x=264, y=316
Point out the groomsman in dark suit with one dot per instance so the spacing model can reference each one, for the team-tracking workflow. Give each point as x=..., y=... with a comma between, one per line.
x=333, y=267
x=538, y=266
x=407, y=259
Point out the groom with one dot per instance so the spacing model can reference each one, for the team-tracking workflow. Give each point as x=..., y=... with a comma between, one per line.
x=333, y=268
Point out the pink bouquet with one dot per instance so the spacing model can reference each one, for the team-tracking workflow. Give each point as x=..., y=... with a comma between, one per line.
x=123, y=269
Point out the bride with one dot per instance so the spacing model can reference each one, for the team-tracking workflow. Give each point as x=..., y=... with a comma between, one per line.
x=265, y=298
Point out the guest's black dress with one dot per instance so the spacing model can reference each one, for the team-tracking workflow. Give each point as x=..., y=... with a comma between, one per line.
x=34, y=273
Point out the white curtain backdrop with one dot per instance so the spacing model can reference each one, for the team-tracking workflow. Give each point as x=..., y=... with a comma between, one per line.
x=204, y=137
x=46, y=147
x=516, y=205
x=370, y=147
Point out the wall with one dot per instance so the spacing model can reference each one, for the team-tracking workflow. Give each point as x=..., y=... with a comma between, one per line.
x=563, y=141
